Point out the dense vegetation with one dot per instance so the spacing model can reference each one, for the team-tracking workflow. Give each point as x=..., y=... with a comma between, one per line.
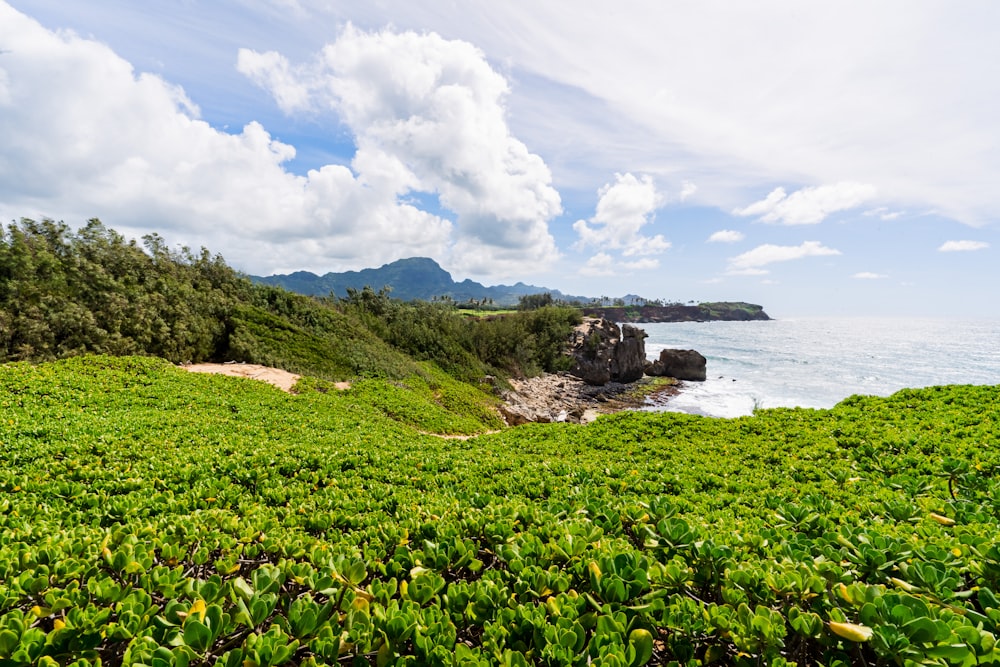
x=523, y=343
x=65, y=293
x=155, y=517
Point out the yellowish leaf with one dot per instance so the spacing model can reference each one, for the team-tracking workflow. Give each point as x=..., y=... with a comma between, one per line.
x=943, y=520
x=851, y=631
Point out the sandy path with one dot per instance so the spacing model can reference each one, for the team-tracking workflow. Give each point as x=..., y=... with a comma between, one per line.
x=281, y=379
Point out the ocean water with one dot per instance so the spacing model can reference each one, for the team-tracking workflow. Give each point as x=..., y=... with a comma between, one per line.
x=816, y=363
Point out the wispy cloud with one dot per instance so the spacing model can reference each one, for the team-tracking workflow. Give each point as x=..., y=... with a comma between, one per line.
x=883, y=213
x=963, y=246
x=687, y=190
x=753, y=261
x=726, y=236
x=603, y=264
x=808, y=206
x=869, y=275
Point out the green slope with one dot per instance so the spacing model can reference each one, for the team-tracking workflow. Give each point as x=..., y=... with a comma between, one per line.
x=149, y=516
x=64, y=293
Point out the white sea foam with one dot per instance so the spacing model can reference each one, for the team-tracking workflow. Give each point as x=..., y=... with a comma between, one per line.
x=816, y=363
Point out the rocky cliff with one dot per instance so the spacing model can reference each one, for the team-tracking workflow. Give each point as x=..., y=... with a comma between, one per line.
x=679, y=364
x=703, y=312
x=606, y=353
x=609, y=362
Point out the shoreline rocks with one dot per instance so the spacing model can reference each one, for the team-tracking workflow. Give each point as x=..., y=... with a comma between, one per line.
x=609, y=374
x=606, y=353
x=628, y=357
x=679, y=364
x=562, y=397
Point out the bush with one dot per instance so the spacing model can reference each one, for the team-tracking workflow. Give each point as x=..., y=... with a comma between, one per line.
x=64, y=294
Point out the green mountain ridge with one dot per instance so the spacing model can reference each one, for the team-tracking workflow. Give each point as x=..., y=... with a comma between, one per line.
x=410, y=279
x=421, y=278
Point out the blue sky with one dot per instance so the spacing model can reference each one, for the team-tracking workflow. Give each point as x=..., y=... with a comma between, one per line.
x=828, y=158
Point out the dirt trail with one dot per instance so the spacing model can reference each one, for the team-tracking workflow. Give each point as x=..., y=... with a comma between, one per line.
x=281, y=379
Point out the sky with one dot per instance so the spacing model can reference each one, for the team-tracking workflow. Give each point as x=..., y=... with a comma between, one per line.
x=824, y=158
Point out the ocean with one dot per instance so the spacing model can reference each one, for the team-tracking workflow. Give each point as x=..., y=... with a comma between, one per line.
x=818, y=362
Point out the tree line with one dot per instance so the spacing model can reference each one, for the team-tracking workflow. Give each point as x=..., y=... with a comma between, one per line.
x=92, y=291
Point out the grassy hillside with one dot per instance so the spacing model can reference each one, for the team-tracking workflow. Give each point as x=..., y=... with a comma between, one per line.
x=149, y=516
x=65, y=293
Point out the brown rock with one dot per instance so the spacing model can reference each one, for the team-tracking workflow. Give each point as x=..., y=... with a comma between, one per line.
x=604, y=353
x=680, y=364
x=628, y=357
x=592, y=347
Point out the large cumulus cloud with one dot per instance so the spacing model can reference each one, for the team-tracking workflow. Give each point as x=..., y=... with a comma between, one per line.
x=86, y=135
x=428, y=116
x=624, y=208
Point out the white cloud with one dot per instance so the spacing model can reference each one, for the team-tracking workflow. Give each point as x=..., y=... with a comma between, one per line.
x=963, y=246
x=84, y=136
x=868, y=275
x=808, y=206
x=273, y=72
x=883, y=213
x=752, y=261
x=645, y=264
x=5, y=94
x=432, y=111
x=726, y=236
x=870, y=88
x=623, y=209
x=687, y=190
x=603, y=264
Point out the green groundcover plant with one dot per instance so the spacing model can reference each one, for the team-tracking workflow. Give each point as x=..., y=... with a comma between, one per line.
x=153, y=517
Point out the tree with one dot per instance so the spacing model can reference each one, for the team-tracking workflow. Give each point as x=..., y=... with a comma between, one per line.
x=534, y=301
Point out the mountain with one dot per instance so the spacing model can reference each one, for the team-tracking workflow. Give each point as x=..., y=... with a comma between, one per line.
x=410, y=279
x=422, y=278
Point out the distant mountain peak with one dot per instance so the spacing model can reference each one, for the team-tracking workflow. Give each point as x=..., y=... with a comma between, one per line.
x=409, y=279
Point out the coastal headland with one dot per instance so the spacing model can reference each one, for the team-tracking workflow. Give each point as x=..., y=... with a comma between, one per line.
x=718, y=311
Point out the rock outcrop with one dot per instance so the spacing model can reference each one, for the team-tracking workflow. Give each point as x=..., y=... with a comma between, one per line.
x=628, y=357
x=558, y=397
x=679, y=364
x=592, y=347
x=608, y=361
x=604, y=353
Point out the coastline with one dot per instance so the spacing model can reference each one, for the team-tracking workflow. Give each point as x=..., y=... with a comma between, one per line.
x=817, y=362
x=561, y=397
